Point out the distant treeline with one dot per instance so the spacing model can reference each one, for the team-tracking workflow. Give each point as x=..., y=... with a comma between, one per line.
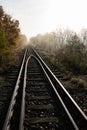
x=65, y=48
x=10, y=39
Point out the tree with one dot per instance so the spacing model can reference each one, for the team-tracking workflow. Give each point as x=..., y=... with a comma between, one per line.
x=74, y=53
x=11, y=28
x=9, y=34
x=3, y=45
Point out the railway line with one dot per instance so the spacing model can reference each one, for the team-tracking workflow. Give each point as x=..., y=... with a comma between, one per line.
x=8, y=87
x=65, y=77
x=40, y=101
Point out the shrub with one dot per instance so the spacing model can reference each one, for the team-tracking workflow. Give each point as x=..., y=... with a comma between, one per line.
x=79, y=83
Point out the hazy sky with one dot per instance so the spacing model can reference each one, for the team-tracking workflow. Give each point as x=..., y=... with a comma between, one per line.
x=40, y=16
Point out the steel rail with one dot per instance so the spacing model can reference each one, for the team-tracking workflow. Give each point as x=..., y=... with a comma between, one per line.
x=56, y=81
x=51, y=78
x=58, y=96
x=10, y=111
x=21, y=127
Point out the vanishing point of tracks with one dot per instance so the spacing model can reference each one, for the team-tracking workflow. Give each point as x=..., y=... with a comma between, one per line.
x=40, y=101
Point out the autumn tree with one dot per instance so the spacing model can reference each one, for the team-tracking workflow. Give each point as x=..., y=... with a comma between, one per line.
x=9, y=34
x=11, y=28
x=21, y=40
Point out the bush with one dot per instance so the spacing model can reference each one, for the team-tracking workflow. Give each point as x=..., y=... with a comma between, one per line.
x=78, y=83
x=74, y=81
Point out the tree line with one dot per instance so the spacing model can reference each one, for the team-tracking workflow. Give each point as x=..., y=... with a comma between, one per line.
x=66, y=49
x=10, y=38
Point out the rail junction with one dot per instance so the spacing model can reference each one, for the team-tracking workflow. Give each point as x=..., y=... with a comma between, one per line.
x=39, y=100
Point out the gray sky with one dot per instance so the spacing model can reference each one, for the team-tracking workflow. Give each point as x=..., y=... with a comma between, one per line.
x=40, y=16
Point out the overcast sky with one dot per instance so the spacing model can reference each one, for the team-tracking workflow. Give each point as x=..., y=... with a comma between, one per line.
x=40, y=16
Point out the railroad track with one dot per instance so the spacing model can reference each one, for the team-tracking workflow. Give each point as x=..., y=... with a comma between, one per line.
x=40, y=102
x=7, y=89
x=79, y=94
